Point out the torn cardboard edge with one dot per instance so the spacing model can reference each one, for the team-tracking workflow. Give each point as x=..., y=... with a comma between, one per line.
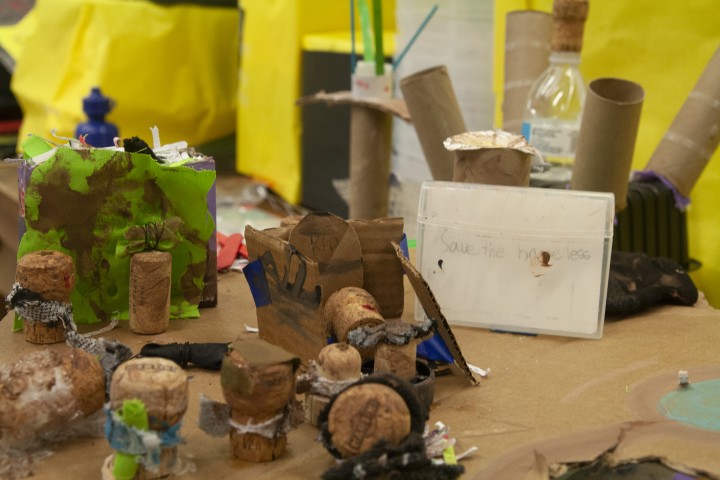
x=393, y=106
x=686, y=450
x=432, y=310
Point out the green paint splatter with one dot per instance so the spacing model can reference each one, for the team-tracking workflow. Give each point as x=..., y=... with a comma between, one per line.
x=82, y=202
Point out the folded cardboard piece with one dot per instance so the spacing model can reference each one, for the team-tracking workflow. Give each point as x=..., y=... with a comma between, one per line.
x=295, y=269
x=91, y=203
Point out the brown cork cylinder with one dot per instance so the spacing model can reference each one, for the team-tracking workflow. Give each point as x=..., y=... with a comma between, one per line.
x=150, y=278
x=364, y=414
x=397, y=359
x=258, y=383
x=44, y=391
x=349, y=308
x=162, y=386
x=52, y=275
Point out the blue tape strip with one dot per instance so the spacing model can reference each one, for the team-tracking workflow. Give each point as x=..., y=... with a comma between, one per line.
x=404, y=246
x=129, y=440
x=255, y=276
x=434, y=348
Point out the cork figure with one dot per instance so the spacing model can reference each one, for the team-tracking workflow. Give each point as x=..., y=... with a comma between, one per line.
x=258, y=383
x=338, y=366
x=157, y=389
x=44, y=392
x=348, y=309
x=46, y=278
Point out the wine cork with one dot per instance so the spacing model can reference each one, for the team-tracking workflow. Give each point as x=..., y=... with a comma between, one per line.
x=150, y=278
x=349, y=308
x=258, y=383
x=52, y=275
x=568, y=24
x=44, y=392
x=162, y=386
x=314, y=404
x=362, y=415
x=339, y=362
x=397, y=359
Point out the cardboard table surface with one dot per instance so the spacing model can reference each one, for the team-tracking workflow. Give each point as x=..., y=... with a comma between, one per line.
x=540, y=389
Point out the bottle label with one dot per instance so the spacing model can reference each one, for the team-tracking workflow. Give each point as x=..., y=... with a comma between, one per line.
x=552, y=140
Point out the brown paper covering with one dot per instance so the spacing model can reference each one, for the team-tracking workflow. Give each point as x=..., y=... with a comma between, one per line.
x=693, y=136
x=436, y=115
x=527, y=49
x=607, y=138
x=150, y=279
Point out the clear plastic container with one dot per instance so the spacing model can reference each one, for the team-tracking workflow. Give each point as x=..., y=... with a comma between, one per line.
x=553, y=112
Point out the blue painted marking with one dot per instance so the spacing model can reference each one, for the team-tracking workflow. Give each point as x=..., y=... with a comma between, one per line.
x=697, y=405
x=255, y=276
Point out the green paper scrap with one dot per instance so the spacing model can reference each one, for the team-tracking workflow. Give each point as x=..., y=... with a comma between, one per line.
x=82, y=202
x=449, y=455
x=34, y=146
x=134, y=414
x=366, y=29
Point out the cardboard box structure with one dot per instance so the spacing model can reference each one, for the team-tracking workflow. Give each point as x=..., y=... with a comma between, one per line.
x=303, y=265
x=295, y=269
x=87, y=202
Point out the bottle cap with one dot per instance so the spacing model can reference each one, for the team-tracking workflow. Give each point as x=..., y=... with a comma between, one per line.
x=96, y=104
x=568, y=23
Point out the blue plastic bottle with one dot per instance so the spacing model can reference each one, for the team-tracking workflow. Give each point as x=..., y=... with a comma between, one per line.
x=99, y=132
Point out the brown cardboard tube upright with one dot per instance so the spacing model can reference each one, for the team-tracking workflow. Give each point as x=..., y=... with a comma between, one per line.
x=694, y=134
x=436, y=115
x=370, y=142
x=527, y=48
x=492, y=157
x=606, y=140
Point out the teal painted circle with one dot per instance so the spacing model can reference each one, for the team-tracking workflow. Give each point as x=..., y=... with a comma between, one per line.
x=697, y=405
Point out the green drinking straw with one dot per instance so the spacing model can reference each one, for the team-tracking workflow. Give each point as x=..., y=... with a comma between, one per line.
x=366, y=32
x=134, y=414
x=379, y=51
x=352, y=37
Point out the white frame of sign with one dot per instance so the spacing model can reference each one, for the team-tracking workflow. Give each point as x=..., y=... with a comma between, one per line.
x=526, y=260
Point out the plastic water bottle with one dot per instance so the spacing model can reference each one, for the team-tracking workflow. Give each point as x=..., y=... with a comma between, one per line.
x=553, y=111
x=100, y=133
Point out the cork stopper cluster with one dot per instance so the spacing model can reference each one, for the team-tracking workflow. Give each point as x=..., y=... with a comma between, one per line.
x=568, y=24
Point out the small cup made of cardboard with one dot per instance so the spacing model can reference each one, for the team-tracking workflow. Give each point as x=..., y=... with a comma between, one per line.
x=492, y=157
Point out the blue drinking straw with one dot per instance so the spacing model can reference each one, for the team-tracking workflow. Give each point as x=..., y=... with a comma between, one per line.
x=415, y=36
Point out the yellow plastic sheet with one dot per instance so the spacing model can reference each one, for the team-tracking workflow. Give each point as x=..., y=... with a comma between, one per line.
x=170, y=66
x=663, y=46
x=269, y=127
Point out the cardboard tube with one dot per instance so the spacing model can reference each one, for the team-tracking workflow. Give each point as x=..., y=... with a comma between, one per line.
x=492, y=157
x=436, y=115
x=607, y=138
x=370, y=141
x=527, y=48
x=693, y=135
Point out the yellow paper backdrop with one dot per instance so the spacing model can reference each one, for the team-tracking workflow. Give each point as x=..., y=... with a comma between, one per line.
x=170, y=66
x=269, y=127
x=663, y=46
